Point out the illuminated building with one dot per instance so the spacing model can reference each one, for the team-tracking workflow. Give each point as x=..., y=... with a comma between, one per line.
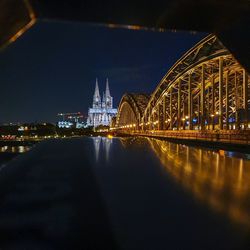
x=70, y=120
x=65, y=124
x=102, y=110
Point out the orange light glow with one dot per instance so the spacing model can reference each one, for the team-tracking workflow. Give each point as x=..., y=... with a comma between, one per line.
x=20, y=32
x=133, y=27
x=27, y=26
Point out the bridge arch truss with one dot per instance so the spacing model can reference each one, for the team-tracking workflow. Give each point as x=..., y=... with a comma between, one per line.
x=130, y=110
x=205, y=89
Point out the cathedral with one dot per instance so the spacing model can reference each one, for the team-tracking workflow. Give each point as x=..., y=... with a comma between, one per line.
x=102, y=111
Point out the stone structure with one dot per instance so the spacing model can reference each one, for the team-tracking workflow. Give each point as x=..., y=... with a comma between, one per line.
x=102, y=110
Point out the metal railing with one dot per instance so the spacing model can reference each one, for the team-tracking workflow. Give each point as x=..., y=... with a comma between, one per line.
x=229, y=136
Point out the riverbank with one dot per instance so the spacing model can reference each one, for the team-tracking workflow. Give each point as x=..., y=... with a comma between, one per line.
x=16, y=143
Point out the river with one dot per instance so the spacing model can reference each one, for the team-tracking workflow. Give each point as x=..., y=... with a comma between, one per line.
x=162, y=195
x=130, y=193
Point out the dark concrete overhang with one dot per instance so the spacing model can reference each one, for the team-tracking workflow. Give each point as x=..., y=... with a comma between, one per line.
x=228, y=19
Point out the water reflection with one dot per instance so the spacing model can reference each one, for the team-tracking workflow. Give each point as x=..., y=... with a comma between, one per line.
x=106, y=144
x=14, y=149
x=220, y=181
x=97, y=142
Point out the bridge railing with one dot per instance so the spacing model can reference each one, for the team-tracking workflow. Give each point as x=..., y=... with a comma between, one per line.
x=230, y=136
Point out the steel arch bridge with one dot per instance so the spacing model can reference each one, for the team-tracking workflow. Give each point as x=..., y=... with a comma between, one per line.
x=131, y=110
x=206, y=89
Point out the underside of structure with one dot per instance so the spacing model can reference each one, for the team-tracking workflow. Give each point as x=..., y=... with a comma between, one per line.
x=227, y=19
x=206, y=89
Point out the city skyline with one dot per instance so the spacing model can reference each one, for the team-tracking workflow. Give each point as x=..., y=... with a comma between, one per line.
x=53, y=67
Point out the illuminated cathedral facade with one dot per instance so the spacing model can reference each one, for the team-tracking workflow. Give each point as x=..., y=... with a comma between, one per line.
x=102, y=111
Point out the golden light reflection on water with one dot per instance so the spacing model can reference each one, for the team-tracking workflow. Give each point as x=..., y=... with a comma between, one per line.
x=14, y=149
x=220, y=181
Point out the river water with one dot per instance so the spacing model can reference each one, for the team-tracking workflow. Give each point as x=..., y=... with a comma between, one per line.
x=7, y=153
x=124, y=193
x=162, y=195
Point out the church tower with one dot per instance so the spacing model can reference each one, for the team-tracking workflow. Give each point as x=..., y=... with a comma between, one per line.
x=96, y=97
x=109, y=99
x=102, y=110
x=103, y=101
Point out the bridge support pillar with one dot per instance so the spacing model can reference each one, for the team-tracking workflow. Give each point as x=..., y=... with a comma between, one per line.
x=221, y=93
x=149, y=118
x=138, y=123
x=202, y=100
x=158, y=116
x=171, y=108
x=179, y=106
x=144, y=126
x=237, y=124
x=213, y=102
x=227, y=100
x=245, y=97
x=190, y=103
x=199, y=111
x=164, y=112
x=152, y=119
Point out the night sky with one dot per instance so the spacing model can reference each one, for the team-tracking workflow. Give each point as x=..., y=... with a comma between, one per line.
x=52, y=68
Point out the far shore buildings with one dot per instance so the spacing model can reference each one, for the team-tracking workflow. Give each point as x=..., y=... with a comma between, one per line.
x=102, y=111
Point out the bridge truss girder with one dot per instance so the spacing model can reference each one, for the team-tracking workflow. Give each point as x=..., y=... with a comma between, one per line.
x=127, y=117
x=206, y=91
x=130, y=110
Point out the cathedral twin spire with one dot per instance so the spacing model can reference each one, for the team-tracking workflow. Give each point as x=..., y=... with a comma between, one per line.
x=107, y=93
x=97, y=93
x=102, y=110
x=106, y=101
